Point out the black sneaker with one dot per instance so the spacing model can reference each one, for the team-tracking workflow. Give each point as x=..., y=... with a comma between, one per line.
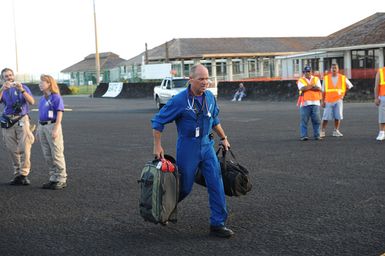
x=221, y=232
x=55, y=185
x=20, y=180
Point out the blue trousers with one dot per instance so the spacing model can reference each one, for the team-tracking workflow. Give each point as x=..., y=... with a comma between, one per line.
x=310, y=112
x=191, y=155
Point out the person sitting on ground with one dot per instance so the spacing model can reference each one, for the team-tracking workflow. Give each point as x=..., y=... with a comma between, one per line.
x=240, y=93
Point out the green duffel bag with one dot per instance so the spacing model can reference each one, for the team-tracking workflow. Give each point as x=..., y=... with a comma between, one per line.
x=159, y=191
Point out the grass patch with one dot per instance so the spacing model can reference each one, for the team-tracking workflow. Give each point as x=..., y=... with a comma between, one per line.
x=82, y=89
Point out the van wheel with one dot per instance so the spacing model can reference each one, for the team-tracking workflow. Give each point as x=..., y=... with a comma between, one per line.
x=158, y=104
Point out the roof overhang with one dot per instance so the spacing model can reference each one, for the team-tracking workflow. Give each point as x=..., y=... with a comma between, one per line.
x=306, y=54
x=330, y=50
x=353, y=47
x=224, y=55
x=245, y=55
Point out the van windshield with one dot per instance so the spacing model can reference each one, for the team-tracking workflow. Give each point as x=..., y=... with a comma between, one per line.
x=180, y=83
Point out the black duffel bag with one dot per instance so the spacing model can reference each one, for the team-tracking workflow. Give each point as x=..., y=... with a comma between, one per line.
x=236, y=180
x=7, y=122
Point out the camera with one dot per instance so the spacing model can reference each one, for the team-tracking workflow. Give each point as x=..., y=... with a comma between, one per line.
x=17, y=107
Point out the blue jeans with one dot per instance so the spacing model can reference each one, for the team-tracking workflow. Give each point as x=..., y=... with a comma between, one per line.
x=239, y=96
x=310, y=112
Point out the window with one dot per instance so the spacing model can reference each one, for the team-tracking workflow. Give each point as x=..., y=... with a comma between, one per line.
x=296, y=67
x=266, y=67
x=366, y=58
x=313, y=63
x=358, y=59
x=165, y=83
x=175, y=69
x=208, y=66
x=328, y=63
x=179, y=83
x=236, y=67
x=221, y=69
x=252, y=65
x=257, y=66
x=186, y=69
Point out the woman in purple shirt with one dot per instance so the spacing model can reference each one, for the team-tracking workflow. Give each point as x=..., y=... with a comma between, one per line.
x=51, y=108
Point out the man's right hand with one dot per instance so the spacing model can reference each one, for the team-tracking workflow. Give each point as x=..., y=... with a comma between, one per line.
x=6, y=86
x=377, y=101
x=158, y=152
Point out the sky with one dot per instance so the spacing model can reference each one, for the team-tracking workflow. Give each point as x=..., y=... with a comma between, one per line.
x=52, y=35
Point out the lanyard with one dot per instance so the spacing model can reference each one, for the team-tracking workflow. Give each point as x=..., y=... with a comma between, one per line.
x=10, y=95
x=48, y=101
x=202, y=106
x=193, y=107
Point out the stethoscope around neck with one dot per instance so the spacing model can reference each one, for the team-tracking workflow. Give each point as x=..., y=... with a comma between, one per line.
x=190, y=105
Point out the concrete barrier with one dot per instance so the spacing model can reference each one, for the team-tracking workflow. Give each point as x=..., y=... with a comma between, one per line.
x=287, y=90
x=129, y=90
x=260, y=90
x=64, y=90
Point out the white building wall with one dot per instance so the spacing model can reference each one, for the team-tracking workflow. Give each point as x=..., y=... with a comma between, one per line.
x=381, y=60
x=115, y=74
x=348, y=63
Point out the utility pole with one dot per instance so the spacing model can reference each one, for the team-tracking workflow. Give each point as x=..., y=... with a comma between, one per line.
x=15, y=36
x=145, y=54
x=166, y=59
x=97, y=60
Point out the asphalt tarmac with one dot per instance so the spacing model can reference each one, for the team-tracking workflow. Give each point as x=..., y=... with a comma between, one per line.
x=308, y=198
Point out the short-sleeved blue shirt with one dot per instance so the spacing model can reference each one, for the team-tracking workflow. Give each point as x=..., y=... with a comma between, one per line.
x=54, y=102
x=11, y=97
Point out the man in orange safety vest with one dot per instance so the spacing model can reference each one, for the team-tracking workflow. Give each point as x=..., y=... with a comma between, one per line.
x=379, y=100
x=309, y=87
x=334, y=87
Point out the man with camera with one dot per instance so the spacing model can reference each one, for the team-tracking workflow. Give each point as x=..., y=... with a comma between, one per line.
x=15, y=125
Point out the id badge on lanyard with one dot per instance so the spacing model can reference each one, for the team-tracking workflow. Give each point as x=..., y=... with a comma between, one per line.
x=50, y=112
x=197, y=132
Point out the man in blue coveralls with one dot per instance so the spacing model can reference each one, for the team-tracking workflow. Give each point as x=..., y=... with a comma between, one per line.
x=195, y=113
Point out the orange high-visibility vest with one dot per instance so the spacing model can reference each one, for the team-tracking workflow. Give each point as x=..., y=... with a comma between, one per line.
x=337, y=92
x=381, y=89
x=309, y=94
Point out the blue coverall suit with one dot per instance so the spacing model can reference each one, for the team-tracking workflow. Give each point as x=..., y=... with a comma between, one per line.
x=194, y=150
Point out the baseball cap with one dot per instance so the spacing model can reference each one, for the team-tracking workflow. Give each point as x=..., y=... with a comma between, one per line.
x=306, y=69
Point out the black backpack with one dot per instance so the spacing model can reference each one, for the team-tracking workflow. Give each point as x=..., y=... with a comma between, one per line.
x=236, y=180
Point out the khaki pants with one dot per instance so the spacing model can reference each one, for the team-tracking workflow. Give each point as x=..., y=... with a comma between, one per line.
x=53, y=151
x=18, y=141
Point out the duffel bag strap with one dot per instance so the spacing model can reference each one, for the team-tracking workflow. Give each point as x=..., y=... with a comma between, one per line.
x=224, y=153
x=225, y=158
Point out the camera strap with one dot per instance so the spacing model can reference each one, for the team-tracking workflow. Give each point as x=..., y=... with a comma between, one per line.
x=18, y=101
x=11, y=97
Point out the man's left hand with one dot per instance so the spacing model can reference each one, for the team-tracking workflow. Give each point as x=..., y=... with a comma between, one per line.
x=18, y=86
x=225, y=143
